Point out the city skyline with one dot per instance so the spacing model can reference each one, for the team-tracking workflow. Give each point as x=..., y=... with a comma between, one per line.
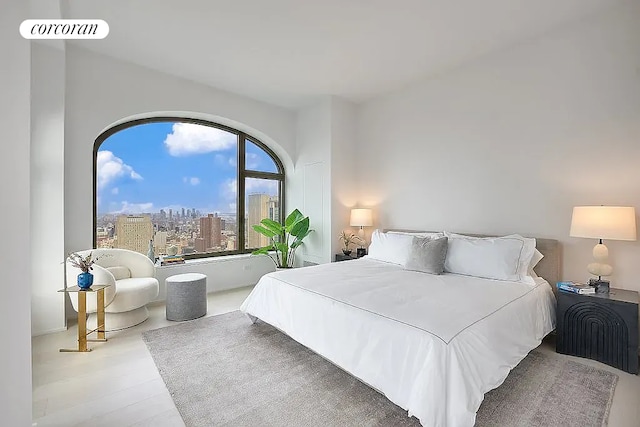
x=189, y=230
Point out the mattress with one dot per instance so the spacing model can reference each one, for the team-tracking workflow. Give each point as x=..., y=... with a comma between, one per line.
x=431, y=344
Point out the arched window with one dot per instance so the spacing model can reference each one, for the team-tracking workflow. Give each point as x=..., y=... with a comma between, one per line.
x=189, y=186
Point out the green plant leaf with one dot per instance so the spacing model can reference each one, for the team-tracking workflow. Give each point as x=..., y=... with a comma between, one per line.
x=299, y=239
x=282, y=247
x=262, y=251
x=293, y=217
x=300, y=227
x=272, y=225
x=264, y=231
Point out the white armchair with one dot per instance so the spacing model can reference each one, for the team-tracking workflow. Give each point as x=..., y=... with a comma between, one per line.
x=133, y=286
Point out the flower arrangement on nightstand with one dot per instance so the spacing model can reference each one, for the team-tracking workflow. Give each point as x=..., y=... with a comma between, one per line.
x=347, y=239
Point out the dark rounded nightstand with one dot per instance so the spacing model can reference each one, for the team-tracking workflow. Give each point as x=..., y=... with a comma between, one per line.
x=343, y=257
x=603, y=327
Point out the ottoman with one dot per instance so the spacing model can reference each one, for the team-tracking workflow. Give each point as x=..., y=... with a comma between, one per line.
x=186, y=296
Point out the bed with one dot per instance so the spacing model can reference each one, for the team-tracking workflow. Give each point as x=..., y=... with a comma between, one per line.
x=432, y=344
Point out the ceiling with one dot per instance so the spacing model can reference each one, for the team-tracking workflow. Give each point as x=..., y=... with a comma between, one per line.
x=289, y=52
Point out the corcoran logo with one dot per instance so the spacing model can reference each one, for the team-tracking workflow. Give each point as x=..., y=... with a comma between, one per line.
x=64, y=29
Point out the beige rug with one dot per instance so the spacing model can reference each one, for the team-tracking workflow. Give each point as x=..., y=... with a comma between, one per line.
x=224, y=371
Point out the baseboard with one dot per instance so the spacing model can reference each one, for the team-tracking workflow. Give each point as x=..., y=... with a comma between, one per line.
x=49, y=331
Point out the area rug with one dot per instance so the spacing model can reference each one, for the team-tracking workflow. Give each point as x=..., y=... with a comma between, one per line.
x=225, y=371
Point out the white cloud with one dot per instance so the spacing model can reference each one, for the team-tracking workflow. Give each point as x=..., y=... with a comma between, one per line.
x=111, y=167
x=186, y=139
x=267, y=186
x=115, y=190
x=229, y=188
x=252, y=161
x=194, y=180
x=135, y=208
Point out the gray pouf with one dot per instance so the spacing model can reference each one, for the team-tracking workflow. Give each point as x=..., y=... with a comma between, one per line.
x=186, y=296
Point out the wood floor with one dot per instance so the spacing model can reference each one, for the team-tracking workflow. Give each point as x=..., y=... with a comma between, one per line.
x=117, y=384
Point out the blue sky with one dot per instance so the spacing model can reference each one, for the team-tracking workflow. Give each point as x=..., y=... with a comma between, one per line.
x=165, y=165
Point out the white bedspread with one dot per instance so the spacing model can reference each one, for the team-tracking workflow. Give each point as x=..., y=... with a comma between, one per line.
x=432, y=344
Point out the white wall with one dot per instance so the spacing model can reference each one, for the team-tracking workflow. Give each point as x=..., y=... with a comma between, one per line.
x=514, y=140
x=324, y=186
x=47, y=188
x=15, y=320
x=222, y=273
x=344, y=161
x=311, y=186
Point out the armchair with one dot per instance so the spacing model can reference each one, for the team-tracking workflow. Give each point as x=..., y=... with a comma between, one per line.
x=133, y=286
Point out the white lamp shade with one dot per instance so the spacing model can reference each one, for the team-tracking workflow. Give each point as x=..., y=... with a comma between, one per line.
x=604, y=222
x=361, y=218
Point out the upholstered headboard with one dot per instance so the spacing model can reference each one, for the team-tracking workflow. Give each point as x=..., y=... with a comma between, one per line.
x=548, y=268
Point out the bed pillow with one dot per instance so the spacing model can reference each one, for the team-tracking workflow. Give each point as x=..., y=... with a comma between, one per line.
x=390, y=247
x=499, y=258
x=429, y=234
x=427, y=255
x=535, y=259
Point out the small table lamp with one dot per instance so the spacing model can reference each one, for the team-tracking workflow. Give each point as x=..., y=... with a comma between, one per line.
x=361, y=218
x=603, y=222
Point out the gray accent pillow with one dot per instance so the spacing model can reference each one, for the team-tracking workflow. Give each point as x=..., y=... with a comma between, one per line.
x=427, y=255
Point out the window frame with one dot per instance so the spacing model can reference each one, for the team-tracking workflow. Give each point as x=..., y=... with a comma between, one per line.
x=242, y=173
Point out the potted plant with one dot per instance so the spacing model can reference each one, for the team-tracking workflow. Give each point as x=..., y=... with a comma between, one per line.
x=85, y=279
x=348, y=238
x=285, y=239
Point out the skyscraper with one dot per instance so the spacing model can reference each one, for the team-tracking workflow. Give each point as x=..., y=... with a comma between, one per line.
x=216, y=231
x=210, y=232
x=133, y=232
x=260, y=206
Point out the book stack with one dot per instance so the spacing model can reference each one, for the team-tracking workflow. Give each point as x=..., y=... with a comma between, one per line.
x=171, y=260
x=576, y=288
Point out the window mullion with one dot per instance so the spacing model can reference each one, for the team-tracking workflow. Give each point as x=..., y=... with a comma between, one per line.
x=241, y=188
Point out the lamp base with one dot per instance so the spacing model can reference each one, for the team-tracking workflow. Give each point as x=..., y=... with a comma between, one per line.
x=602, y=286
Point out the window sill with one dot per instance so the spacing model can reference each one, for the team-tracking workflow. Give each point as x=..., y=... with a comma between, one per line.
x=210, y=260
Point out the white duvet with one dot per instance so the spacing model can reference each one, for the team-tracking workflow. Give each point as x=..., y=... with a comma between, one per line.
x=432, y=344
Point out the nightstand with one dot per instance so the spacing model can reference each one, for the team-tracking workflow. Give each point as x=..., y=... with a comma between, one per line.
x=343, y=257
x=603, y=327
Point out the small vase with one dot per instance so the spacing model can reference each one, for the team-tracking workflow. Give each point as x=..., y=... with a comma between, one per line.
x=150, y=254
x=85, y=280
x=347, y=252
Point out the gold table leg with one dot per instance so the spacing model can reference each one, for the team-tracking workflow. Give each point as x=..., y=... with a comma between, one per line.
x=100, y=317
x=82, y=321
x=82, y=325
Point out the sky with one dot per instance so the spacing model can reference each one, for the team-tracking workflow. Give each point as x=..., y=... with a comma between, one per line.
x=168, y=165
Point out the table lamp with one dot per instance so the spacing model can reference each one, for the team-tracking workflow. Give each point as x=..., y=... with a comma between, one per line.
x=361, y=218
x=603, y=222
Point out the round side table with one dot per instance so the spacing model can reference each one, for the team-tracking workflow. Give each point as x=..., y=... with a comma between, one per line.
x=186, y=296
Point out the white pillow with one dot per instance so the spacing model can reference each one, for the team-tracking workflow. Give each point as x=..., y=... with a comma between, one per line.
x=499, y=258
x=535, y=259
x=390, y=247
x=120, y=272
x=420, y=234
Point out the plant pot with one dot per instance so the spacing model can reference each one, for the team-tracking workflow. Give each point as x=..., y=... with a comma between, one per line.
x=347, y=252
x=85, y=280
